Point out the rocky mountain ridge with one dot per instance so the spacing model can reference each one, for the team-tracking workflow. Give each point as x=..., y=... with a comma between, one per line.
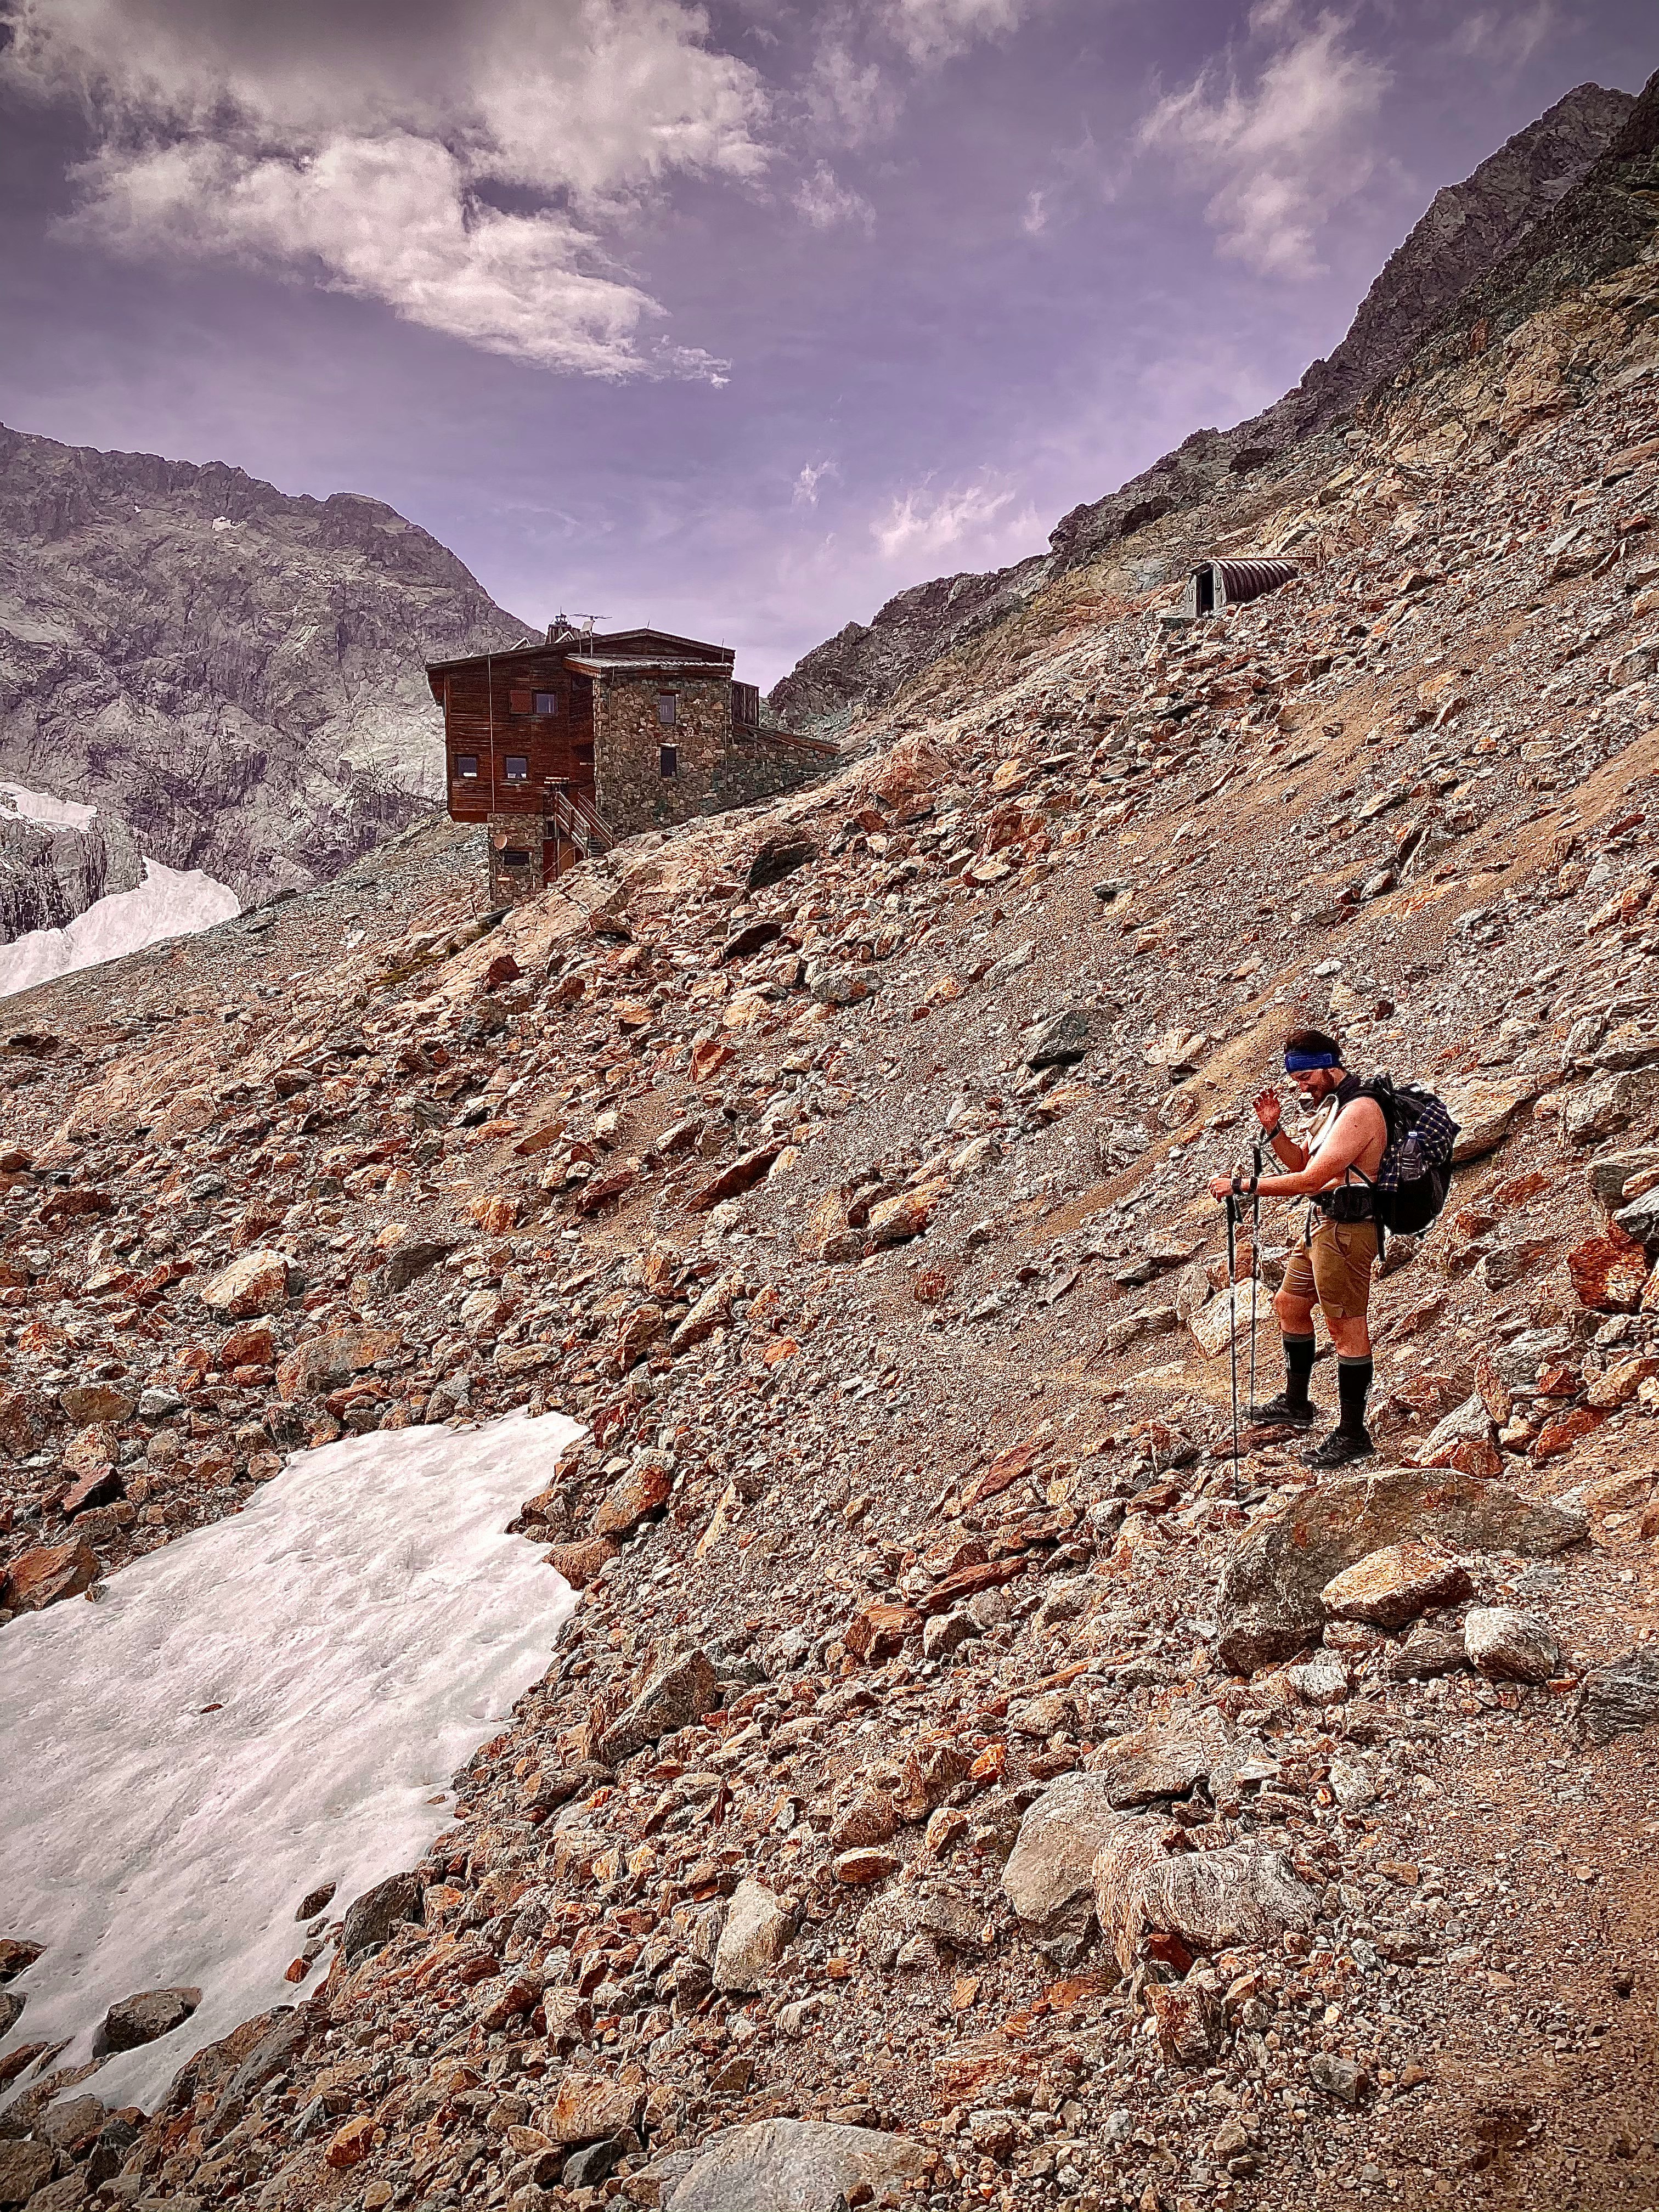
x=1468, y=232
x=230, y=673
x=967, y=1778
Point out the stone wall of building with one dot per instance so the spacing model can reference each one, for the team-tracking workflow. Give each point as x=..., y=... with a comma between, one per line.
x=630, y=789
x=760, y=764
x=512, y=878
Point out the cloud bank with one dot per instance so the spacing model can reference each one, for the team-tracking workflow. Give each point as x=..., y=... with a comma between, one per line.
x=463, y=167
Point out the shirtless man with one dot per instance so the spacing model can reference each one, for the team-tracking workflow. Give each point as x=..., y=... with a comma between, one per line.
x=1331, y=1267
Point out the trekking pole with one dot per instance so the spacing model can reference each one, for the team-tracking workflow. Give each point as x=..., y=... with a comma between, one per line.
x=1232, y=1314
x=1255, y=1257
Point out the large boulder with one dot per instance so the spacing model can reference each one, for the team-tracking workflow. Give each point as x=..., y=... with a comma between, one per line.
x=757, y=1925
x=671, y=1698
x=1621, y=1698
x=1270, y=1601
x=1511, y=1646
x=40, y=1578
x=1486, y=1111
x=1209, y=1901
x=1049, y=1878
x=370, y=1917
x=797, y=2165
x=143, y=2018
x=1164, y=1758
x=1387, y=1589
x=255, y=1282
x=24, y=2167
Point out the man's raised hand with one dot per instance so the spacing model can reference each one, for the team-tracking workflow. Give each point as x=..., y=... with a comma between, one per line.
x=1268, y=1110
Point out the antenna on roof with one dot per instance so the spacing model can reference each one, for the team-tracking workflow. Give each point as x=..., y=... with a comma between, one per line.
x=588, y=621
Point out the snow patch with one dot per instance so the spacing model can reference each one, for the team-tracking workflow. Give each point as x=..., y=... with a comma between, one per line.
x=261, y=1706
x=169, y=902
x=41, y=807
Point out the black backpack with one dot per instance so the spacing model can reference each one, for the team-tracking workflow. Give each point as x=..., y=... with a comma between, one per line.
x=1414, y=1173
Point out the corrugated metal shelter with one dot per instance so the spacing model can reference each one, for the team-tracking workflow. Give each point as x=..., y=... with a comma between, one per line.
x=1217, y=583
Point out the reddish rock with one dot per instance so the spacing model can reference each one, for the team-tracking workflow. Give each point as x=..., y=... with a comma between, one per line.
x=96, y=1401
x=51, y=1572
x=580, y=1563
x=256, y=1282
x=1492, y=1391
x=247, y=1347
x=968, y=1582
x=1620, y=1383
x=864, y=1864
x=100, y=1485
x=1189, y=2016
x=1392, y=1586
x=742, y=1175
x=895, y=1221
x=880, y=1631
x=1563, y=1431
x=589, y=2108
x=322, y=1363
x=640, y=1491
x=1608, y=1272
x=1479, y=1457
x=352, y=2143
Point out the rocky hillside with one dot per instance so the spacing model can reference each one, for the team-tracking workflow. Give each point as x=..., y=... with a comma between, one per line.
x=230, y=674
x=1468, y=231
x=965, y=1779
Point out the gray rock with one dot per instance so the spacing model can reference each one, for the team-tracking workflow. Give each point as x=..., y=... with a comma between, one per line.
x=1620, y=1698
x=946, y=1633
x=672, y=1697
x=1320, y=1681
x=1164, y=1758
x=1242, y=1894
x=1059, y=1041
x=370, y=1917
x=1268, y=1606
x=1338, y=2078
x=1509, y=1646
x=758, y=1926
x=1606, y=1105
x=1640, y=1219
x=795, y=2165
x=1048, y=1875
x=71, y=2123
x=1426, y=1653
x=408, y=1262
x=144, y=2018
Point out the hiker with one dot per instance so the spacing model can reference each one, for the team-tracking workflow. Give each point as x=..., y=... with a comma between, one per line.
x=1332, y=1267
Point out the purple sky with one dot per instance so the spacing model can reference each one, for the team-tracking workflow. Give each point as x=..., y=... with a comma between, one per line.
x=735, y=320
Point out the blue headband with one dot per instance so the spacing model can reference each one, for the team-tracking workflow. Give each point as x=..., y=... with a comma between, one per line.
x=1298, y=1063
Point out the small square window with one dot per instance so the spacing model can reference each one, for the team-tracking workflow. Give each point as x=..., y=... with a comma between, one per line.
x=668, y=707
x=547, y=703
x=517, y=856
x=668, y=759
x=516, y=767
x=467, y=764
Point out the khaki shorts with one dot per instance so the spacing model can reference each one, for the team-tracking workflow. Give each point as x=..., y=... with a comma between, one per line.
x=1335, y=1268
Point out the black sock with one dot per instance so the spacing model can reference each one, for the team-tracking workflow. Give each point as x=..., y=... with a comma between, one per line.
x=1299, y=1367
x=1353, y=1380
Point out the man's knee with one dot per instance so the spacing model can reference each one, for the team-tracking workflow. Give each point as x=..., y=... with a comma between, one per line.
x=1295, y=1314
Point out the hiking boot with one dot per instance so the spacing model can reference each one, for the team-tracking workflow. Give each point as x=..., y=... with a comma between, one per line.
x=1280, y=1413
x=1339, y=1448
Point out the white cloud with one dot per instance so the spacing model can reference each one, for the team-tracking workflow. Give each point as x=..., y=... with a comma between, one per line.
x=1283, y=149
x=463, y=171
x=935, y=30
x=1506, y=39
x=921, y=524
x=805, y=493
x=1035, y=221
x=826, y=202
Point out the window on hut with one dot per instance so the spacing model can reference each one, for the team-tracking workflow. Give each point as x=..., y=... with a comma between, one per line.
x=547, y=703
x=517, y=856
x=516, y=767
x=668, y=759
x=668, y=709
x=467, y=764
